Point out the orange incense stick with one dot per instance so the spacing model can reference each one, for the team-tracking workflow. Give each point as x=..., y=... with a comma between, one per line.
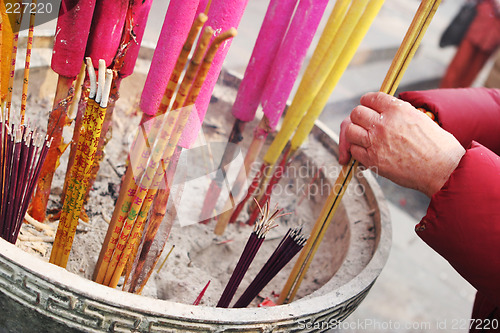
x=132, y=205
x=24, y=97
x=15, y=40
x=175, y=135
x=139, y=147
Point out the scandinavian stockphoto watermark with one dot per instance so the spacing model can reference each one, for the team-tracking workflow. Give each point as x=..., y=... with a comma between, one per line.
x=377, y=325
x=156, y=147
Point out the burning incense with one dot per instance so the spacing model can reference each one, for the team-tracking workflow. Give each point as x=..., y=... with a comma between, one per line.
x=73, y=26
x=400, y=62
x=289, y=246
x=120, y=257
x=87, y=145
x=307, y=123
x=175, y=30
x=279, y=84
x=254, y=242
x=176, y=26
x=24, y=152
x=24, y=97
x=264, y=74
x=222, y=16
x=230, y=211
x=160, y=204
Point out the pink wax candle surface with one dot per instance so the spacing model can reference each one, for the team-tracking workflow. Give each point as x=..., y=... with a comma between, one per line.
x=140, y=12
x=73, y=25
x=106, y=31
x=178, y=20
x=290, y=57
x=268, y=42
x=222, y=15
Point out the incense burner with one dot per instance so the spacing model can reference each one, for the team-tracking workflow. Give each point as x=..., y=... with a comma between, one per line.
x=34, y=293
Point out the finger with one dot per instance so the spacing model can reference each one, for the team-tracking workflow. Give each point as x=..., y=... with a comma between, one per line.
x=344, y=145
x=381, y=102
x=364, y=117
x=360, y=154
x=357, y=135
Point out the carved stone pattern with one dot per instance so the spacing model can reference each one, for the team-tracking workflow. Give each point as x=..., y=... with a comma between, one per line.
x=81, y=313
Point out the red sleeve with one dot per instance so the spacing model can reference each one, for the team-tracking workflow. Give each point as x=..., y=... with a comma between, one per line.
x=463, y=220
x=467, y=113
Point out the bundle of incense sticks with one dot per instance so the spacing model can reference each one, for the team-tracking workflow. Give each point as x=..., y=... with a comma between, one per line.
x=84, y=160
x=289, y=246
x=122, y=64
x=175, y=32
x=399, y=64
x=334, y=22
x=132, y=214
x=22, y=153
x=261, y=228
x=313, y=93
x=73, y=26
x=269, y=79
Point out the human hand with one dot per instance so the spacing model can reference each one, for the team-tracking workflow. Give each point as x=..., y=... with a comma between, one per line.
x=399, y=142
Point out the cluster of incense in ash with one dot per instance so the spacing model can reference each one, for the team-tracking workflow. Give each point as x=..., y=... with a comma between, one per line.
x=22, y=153
x=109, y=33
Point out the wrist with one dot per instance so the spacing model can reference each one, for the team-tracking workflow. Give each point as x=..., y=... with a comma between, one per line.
x=448, y=162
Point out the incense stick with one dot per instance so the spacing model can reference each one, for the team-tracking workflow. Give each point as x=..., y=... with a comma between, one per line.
x=112, y=277
x=87, y=146
x=24, y=98
x=336, y=18
x=200, y=296
x=400, y=62
x=289, y=246
x=252, y=246
x=23, y=153
x=140, y=148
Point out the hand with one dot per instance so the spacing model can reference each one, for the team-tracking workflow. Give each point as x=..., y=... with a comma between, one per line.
x=400, y=143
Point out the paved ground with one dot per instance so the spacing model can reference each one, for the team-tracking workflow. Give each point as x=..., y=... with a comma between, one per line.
x=418, y=290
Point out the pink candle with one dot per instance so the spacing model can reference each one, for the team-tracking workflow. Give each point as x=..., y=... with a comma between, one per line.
x=73, y=25
x=264, y=52
x=289, y=58
x=223, y=14
x=106, y=31
x=140, y=12
x=176, y=26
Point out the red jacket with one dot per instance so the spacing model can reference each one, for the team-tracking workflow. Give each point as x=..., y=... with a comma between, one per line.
x=463, y=219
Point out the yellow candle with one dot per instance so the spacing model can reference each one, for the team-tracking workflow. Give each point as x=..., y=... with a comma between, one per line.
x=336, y=73
x=310, y=85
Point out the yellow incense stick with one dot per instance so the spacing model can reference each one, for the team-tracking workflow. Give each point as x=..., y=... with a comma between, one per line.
x=24, y=96
x=311, y=84
x=63, y=227
x=15, y=40
x=87, y=146
x=98, y=119
x=139, y=148
x=411, y=41
x=321, y=99
x=181, y=62
x=176, y=133
x=132, y=204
